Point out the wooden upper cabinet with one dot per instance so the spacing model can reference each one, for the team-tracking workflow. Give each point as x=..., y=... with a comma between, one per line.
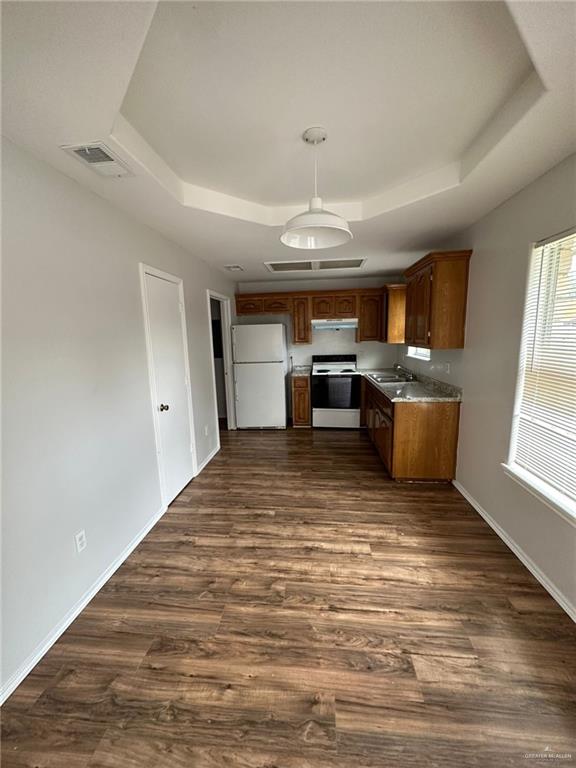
x=323, y=307
x=301, y=320
x=277, y=305
x=436, y=291
x=421, y=307
x=369, y=317
x=249, y=305
x=394, y=314
x=338, y=306
x=345, y=306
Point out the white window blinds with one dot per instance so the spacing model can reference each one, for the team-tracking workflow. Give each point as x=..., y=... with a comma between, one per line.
x=544, y=427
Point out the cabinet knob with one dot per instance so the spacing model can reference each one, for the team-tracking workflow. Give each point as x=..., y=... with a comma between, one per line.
x=164, y=407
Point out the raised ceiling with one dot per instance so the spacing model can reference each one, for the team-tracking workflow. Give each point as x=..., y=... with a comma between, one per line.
x=223, y=91
x=444, y=116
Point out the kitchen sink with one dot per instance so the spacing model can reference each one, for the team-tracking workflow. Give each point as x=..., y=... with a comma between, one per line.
x=406, y=390
x=385, y=378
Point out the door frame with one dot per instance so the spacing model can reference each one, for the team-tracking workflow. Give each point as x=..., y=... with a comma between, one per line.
x=144, y=270
x=226, y=327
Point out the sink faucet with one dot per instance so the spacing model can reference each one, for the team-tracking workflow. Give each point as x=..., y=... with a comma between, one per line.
x=408, y=374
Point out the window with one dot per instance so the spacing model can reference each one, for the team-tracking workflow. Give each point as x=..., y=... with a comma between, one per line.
x=543, y=445
x=419, y=352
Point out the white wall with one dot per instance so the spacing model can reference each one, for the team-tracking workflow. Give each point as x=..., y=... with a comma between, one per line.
x=488, y=368
x=316, y=283
x=78, y=442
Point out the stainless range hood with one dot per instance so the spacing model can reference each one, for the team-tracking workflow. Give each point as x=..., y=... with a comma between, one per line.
x=337, y=324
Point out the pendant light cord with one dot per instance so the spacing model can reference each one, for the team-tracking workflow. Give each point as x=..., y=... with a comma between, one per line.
x=316, y=170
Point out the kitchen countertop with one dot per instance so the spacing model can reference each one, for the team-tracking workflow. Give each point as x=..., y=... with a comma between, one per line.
x=421, y=390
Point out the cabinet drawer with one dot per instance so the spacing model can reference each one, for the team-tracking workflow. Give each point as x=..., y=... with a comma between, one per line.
x=249, y=306
x=277, y=305
x=300, y=382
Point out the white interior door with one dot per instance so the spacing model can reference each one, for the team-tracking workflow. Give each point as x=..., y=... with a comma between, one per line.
x=168, y=360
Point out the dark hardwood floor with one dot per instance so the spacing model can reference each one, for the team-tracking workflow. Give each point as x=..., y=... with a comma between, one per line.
x=296, y=609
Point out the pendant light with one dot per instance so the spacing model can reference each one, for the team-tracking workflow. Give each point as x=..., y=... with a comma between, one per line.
x=316, y=228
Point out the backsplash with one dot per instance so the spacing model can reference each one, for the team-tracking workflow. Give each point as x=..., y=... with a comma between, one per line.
x=444, y=364
x=371, y=354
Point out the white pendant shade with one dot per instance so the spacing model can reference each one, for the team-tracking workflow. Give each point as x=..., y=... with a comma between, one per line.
x=315, y=229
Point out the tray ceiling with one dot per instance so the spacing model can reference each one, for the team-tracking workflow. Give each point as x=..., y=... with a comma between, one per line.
x=223, y=91
x=435, y=113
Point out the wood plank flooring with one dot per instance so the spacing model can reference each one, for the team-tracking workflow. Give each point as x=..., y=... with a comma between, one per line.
x=296, y=609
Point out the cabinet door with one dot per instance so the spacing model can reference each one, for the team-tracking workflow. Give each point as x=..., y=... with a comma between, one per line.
x=249, y=305
x=409, y=312
x=374, y=421
x=301, y=401
x=395, y=314
x=369, y=412
x=301, y=326
x=277, y=305
x=323, y=307
x=421, y=307
x=384, y=440
x=369, y=318
x=345, y=306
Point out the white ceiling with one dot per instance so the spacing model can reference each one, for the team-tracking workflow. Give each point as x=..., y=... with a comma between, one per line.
x=70, y=68
x=223, y=91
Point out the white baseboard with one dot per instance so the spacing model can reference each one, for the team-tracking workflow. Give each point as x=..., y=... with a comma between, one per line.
x=551, y=588
x=208, y=459
x=14, y=681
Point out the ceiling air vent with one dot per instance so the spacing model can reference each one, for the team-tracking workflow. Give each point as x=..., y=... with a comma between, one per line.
x=98, y=157
x=313, y=266
x=234, y=268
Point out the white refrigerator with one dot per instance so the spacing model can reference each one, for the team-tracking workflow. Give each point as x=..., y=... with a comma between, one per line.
x=260, y=362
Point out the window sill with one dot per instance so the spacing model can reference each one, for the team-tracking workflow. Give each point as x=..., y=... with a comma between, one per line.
x=557, y=501
x=423, y=354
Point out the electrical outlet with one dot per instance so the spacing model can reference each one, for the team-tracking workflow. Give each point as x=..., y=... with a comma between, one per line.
x=80, y=540
x=447, y=367
x=205, y=430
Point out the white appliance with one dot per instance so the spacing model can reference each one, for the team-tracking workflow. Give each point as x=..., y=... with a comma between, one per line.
x=259, y=353
x=335, y=391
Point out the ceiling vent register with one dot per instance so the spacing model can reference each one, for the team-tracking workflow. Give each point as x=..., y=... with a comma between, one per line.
x=314, y=266
x=99, y=158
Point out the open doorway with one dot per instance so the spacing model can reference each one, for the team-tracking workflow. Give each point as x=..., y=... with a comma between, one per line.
x=220, y=325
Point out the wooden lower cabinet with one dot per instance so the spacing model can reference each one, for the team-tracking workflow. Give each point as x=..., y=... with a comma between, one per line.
x=301, y=401
x=416, y=441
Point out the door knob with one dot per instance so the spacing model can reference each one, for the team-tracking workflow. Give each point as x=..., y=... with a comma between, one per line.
x=164, y=407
